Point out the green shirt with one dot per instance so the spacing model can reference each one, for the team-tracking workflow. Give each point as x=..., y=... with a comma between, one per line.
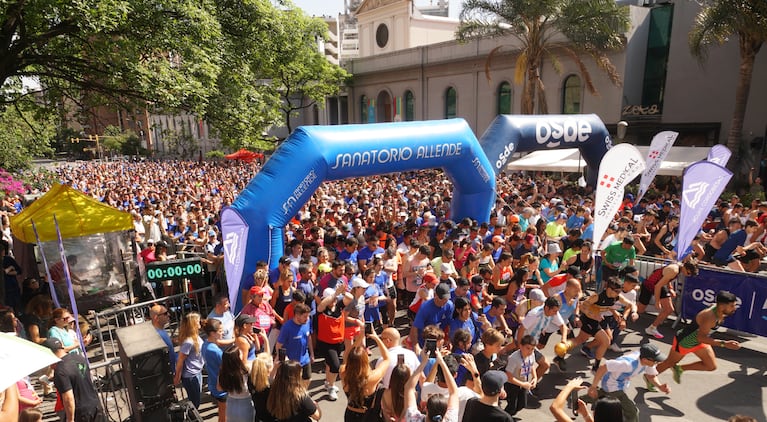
x=615, y=254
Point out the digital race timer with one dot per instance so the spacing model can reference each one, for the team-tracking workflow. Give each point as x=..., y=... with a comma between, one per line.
x=174, y=270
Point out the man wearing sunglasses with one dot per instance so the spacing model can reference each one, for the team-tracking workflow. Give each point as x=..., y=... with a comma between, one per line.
x=160, y=319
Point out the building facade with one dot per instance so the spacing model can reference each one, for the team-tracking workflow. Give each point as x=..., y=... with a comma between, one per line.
x=664, y=86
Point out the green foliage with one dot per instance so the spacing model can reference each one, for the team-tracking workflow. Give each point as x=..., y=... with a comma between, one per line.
x=215, y=155
x=546, y=29
x=300, y=76
x=181, y=143
x=116, y=51
x=25, y=132
x=271, y=68
x=133, y=146
x=243, y=65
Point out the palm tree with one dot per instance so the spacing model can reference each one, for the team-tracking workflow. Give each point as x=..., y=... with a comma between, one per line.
x=716, y=22
x=545, y=29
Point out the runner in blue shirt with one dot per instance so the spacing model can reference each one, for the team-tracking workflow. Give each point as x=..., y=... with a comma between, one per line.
x=295, y=339
x=212, y=354
x=433, y=312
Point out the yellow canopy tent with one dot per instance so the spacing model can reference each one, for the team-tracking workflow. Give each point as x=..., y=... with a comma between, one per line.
x=78, y=215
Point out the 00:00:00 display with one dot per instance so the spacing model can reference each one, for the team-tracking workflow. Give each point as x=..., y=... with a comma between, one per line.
x=153, y=273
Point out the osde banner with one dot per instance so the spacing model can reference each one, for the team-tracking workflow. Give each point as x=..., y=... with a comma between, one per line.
x=751, y=316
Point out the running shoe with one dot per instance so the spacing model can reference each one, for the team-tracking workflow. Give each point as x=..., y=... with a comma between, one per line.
x=677, y=375
x=653, y=331
x=560, y=363
x=615, y=348
x=332, y=391
x=650, y=386
x=585, y=351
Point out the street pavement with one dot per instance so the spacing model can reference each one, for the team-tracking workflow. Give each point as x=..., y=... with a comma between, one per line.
x=737, y=386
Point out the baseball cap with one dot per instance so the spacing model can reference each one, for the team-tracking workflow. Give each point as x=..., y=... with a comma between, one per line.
x=358, y=282
x=561, y=208
x=562, y=216
x=430, y=278
x=257, y=290
x=328, y=292
x=630, y=197
x=243, y=319
x=513, y=219
x=53, y=343
x=492, y=382
x=498, y=239
x=442, y=291
x=529, y=238
x=650, y=351
x=537, y=294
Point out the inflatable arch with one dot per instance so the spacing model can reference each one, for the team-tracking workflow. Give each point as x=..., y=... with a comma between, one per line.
x=253, y=226
x=509, y=134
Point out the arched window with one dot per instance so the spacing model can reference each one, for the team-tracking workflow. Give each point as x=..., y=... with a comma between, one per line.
x=571, y=95
x=409, y=106
x=504, y=98
x=450, y=103
x=363, y=109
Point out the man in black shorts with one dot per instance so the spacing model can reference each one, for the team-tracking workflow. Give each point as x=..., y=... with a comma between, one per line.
x=658, y=285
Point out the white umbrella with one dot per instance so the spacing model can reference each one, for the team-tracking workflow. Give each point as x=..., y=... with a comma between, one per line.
x=19, y=358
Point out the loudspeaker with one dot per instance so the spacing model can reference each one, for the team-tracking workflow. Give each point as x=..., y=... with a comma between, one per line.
x=147, y=373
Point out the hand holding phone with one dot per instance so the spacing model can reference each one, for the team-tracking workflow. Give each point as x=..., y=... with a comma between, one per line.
x=574, y=402
x=282, y=355
x=431, y=346
x=400, y=359
x=368, y=328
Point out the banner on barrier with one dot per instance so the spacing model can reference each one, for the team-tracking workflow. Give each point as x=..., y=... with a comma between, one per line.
x=751, y=316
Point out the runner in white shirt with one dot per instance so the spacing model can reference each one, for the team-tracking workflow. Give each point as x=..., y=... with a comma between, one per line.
x=614, y=376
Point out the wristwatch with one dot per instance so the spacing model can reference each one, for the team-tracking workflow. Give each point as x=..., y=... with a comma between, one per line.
x=476, y=375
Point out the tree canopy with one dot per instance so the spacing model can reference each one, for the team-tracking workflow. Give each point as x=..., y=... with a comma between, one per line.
x=232, y=62
x=548, y=29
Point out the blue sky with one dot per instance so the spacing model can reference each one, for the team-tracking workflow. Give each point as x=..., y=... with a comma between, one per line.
x=333, y=7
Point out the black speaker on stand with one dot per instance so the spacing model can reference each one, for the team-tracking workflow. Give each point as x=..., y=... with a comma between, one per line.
x=147, y=372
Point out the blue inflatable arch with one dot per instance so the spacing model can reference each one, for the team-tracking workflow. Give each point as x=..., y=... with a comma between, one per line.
x=508, y=134
x=253, y=227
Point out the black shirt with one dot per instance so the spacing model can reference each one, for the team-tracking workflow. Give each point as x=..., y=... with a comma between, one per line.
x=483, y=363
x=478, y=411
x=72, y=374
x=306, y=409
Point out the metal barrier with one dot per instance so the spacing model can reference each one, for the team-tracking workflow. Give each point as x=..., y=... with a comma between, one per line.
x=647, y=264
x=104, y=357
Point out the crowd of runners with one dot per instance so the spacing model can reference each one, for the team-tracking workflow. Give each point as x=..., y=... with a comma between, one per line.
x=459, y=310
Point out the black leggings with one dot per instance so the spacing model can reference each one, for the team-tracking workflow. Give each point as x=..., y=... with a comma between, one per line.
x=332, y=353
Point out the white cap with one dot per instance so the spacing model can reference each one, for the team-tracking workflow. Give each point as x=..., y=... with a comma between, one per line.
x=358, y=282
x=328, y=292
x=537, y=294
